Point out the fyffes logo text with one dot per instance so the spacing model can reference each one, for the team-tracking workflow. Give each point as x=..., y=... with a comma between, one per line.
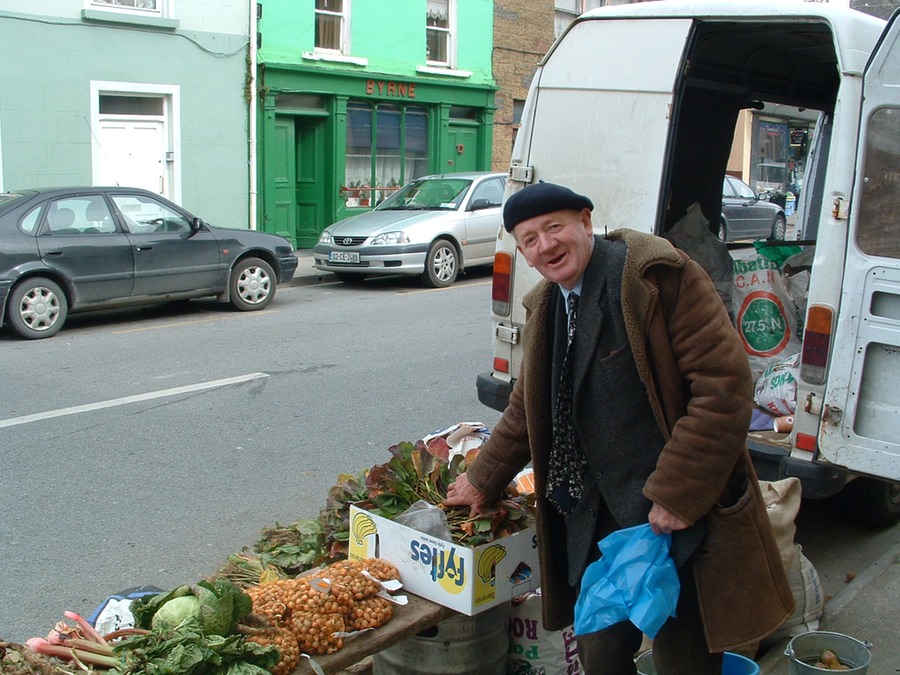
x=447, y=567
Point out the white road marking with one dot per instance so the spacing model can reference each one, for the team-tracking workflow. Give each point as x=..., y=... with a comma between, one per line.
x=74, y=410
x=195, y=322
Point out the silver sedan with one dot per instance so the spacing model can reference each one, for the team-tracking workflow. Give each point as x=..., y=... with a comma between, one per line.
x=434, y=227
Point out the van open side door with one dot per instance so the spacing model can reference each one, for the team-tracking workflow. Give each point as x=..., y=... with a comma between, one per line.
x=860, y=427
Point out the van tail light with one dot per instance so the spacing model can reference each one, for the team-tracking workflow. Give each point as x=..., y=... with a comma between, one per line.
x=805, y=442
x=501, y=365
x=502, y=283
x=816, y=344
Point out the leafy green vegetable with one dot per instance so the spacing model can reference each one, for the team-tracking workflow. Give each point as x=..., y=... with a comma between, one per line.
x=188, y=650
x=222, y=605
x=293, y=548
x=414, y=472
x=145, y=607
x=175, y=612
x=217, y=606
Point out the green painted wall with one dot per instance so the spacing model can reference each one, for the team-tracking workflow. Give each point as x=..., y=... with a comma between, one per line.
x=47, y=65
x=387, y=44
x=389, y=33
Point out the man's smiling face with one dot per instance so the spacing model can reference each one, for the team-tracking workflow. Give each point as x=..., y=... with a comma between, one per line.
x=558, y=245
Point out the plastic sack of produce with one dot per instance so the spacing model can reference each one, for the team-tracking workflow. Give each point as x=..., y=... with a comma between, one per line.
x=635, y=579
x=457, y=439
x=776, y=388
x=535, y=651
x=114, y=613
x=764, y=312
x=692, y=235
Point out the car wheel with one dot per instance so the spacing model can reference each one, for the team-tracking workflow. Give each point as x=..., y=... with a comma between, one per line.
x=871, y=502
x=37, y=308
x=779, y=229
x=350, y=278
x=252, y=284
x=441, y=264
x=723, y=231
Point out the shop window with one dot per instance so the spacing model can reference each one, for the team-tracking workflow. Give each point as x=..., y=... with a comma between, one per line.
x=518, y=109
x=387, y=146
x=438, y=33
x=300, y=102
x=770, y=173
x=330, y=24
x=876, y=232
x=459, y=112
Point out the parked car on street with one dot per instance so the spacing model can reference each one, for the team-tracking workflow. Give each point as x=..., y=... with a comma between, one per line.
x=746, y=216
x=435, y=226
x=64, y=250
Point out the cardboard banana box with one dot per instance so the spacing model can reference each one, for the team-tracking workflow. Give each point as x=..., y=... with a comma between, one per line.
x=469, y=580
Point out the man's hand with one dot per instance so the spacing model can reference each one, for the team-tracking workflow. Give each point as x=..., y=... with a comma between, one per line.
x=462, y=493
x=663, y=522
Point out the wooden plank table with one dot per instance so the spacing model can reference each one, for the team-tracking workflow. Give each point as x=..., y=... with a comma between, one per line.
x=407, y=621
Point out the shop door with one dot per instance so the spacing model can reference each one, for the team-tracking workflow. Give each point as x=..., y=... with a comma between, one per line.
x=282, y=169
x=463, y=150
x=310, y=197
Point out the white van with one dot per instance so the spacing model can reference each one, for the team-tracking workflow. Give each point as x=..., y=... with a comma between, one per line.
x=636, y=106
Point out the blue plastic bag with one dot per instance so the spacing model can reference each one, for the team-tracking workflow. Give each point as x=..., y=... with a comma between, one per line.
x=635, y=579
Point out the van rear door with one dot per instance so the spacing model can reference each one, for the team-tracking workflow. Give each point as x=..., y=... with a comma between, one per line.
x=603, y=103
x=861, y=427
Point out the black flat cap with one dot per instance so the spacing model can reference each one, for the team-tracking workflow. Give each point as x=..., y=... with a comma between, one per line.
x=540, y=199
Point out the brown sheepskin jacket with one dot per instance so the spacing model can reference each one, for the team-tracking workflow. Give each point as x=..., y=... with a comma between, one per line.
x=697, y=377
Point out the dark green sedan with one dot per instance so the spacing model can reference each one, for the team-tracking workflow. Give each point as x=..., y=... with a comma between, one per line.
x=64, y=250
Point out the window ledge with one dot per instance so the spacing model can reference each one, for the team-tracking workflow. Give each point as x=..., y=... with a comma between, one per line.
x=335, y=58
x=104, y=16
x=446, y=72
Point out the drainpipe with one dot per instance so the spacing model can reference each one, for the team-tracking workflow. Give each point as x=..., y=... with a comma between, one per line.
x=254, y=9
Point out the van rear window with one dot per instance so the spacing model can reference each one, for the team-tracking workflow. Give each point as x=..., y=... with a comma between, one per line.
x=877, y=229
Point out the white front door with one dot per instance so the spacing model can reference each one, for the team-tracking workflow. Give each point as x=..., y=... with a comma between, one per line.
x=133, y=154
x=136, y=136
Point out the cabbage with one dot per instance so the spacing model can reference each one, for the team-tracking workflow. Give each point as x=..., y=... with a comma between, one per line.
x=175, y=612
x=216, y=605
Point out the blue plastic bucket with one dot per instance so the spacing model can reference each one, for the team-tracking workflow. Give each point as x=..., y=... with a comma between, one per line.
x=735, y=664
x=732, y=664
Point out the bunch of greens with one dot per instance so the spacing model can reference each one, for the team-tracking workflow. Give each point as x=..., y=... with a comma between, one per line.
x=292, y=548
x=335, y=517
x=248, y=569
x=190, y=650
x=418, y=472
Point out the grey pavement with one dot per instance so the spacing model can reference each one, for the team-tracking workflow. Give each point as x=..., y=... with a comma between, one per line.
x=867, y=608
x=306, y=274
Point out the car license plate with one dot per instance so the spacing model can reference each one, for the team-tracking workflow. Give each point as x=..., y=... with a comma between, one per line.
x=343, y=256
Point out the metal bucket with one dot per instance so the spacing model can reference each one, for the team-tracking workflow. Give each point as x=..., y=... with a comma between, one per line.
x=804, y=650
x=732, y=664
x=461, y=645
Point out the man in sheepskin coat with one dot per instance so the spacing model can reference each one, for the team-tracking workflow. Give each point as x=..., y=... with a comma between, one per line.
x=635, y=412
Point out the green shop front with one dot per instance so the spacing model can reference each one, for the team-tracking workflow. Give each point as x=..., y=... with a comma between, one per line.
x=332, y=144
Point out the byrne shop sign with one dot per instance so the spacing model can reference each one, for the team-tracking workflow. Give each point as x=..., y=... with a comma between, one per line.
x=388, y=88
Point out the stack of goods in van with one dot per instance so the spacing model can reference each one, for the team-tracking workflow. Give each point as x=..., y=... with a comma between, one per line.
x=771, y=288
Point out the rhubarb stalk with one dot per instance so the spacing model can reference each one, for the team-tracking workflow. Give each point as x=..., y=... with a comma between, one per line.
x=81, y=656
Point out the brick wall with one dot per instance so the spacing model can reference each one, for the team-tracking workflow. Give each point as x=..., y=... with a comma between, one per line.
x=523, y=32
